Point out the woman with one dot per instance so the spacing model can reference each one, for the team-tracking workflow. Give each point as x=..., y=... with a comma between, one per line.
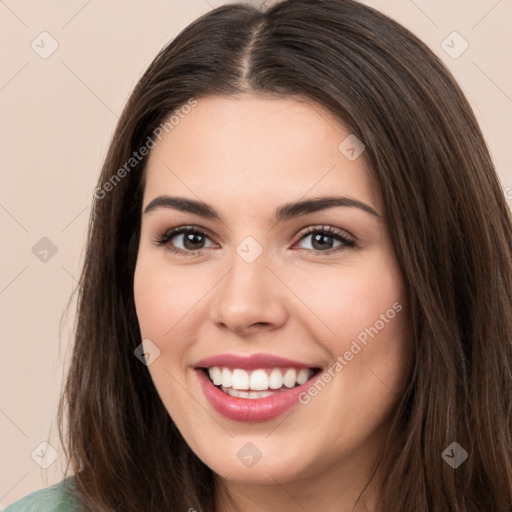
x=297, y=292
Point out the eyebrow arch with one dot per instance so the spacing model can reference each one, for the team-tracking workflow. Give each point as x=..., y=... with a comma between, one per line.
x=283, y=213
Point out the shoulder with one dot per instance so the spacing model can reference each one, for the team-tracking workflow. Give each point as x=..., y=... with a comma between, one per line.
x=60, y=497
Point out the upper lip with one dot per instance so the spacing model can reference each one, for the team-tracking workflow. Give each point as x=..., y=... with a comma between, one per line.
x=251, y=362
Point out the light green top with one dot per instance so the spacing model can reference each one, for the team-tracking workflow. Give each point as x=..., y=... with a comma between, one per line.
x=57, y=498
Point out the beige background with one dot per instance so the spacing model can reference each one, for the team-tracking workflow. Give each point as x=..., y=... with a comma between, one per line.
x=58, y=114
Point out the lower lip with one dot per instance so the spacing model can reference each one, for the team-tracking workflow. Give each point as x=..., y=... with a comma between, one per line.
x=252, y=409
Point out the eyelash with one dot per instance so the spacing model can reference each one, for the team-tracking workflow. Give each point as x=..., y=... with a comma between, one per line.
x=167, y=236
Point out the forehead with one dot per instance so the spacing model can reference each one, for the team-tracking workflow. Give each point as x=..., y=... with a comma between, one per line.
x=256, y=149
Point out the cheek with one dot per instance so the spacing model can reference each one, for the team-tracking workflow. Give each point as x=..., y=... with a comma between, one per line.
x=165, y=296
x=154, y=307
x=350, y=298
x=164, y=300
x=364, y=316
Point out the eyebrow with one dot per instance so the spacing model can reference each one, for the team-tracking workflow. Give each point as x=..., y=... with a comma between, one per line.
x=283, y=213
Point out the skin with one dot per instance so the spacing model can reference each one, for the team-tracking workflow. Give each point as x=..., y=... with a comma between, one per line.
x=245, y=156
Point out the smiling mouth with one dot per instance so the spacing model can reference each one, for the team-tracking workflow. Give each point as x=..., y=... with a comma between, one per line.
x=257, y=383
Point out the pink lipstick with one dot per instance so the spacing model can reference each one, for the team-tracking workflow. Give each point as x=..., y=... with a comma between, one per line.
x=254, y=388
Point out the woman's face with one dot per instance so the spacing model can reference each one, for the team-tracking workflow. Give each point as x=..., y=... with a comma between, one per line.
x=248, y=281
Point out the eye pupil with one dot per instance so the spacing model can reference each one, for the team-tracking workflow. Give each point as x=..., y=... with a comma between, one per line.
x=192, y=238
x=320, y=239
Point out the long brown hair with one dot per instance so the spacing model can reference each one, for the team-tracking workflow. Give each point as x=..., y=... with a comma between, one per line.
x=448, y=218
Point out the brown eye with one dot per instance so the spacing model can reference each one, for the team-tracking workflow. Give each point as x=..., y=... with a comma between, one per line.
x=322, y=239
x=192, y=240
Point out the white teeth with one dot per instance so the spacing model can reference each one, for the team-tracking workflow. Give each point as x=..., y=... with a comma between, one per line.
x=215, y=375
x=226, y=377
x=259, y=380
x=247, y=394
x=262, y=379
x=303, y=376
x=240, y=379
x=290, y=378
x=275, y=379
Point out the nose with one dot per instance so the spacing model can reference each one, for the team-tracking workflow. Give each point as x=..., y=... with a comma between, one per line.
x=250, y=298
